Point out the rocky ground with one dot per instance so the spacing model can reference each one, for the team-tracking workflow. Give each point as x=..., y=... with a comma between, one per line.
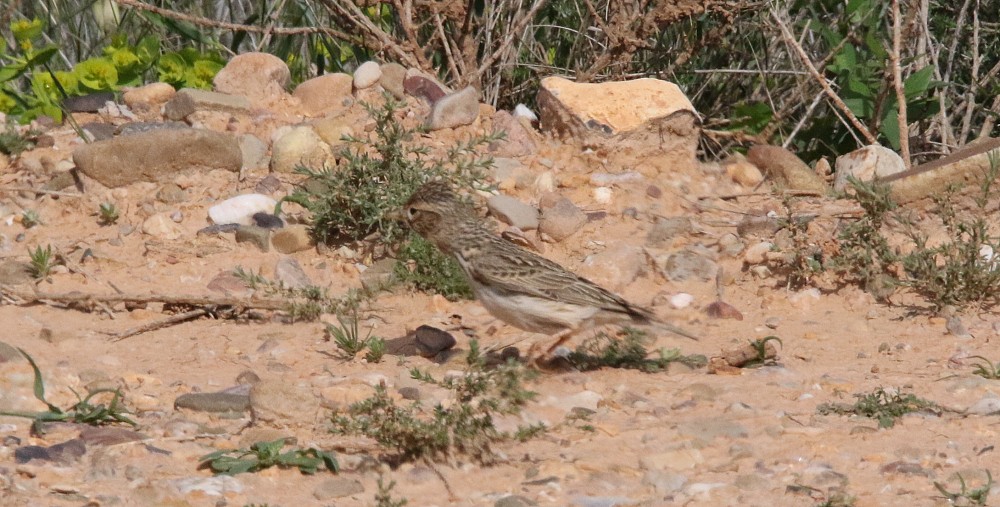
x=657, y=226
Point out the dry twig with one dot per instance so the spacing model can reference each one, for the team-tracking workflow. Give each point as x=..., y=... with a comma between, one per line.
x=897, y=82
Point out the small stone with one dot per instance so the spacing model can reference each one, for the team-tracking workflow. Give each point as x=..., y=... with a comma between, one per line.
x=514, y=501
x=97, y=435
x=986, y=406
x=254, y=153
x=513, y=212
x=338, y=487
x=299, y=146
x=160, y=226
x=903, y=468
x=425, y=88
x=560, y=220
x=291, y=239
x=681, y=300
x=379, y=275
x=89, y=103
x=326, y=94
x=290, y=274
x=268, y=185
x=455, y=110
x=431, y=341
x=190, y=100
x=392, y=78
x=240, y=209
x=667, y=229
x=260, y=77
x=409, y=393
x=257, y=236
x=683, y=265
x=65, y=453
x=213, y=402
x=624, y=178
x=267, y=220
x=742, y=171
x=98, y=131
x=866, y=164
x=366, y=75
x=148, y=95
x=171, y=193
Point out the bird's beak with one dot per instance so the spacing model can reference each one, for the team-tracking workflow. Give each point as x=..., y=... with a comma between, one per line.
x=395, y=215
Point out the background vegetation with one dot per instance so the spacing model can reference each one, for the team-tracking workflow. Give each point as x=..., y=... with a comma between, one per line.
x=816, y=76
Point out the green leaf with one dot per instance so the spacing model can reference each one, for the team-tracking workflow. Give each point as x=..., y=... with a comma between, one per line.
x=918, y=83
x=890, y=127
x=42, y=56
x=39, y=384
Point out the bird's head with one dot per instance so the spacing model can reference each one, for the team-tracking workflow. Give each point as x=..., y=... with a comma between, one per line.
x=432, y=209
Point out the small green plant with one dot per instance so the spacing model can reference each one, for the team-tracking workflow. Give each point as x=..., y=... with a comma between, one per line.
x=428, y=269
x=11, y=141
x=263, y=455
x=351, y=201
x=108, y=213
x=986, y=368
x=349, y=340
x=881, y=405
x=42, y=262
x=760, y=347
x=838, y=500
x=383, y=497
x=84, y=411
x=865, y=256
x=464, y=426
x=30, y=218
x=376, y=349
x=965, y=496
x=306, y=303
x=628, y=350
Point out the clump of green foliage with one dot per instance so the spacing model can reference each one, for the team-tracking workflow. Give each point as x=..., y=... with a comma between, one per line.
x=760, y=347
x=107, y=213
x=351, y=201
x=966, y=496
x=383, y=497
x=986, y=368
x=11, y=141
x=42, y=262
x=29, y=88
x=463, y=427
x=84, y=411
x=628, y=350
x=428, y=269
x=263, y=455
x=306, y=303
x=349, y=340
x=30, y=218
x=881, y=405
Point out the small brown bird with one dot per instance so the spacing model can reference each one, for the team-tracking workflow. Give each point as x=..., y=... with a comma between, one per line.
x=515, y=285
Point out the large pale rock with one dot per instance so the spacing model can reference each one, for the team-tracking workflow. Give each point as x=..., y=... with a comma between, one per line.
x=260, y=77
x=866, y=164
x=299, y=146
x=241, y=209
x=455, y=110
x=637, y=114
x=616, y=267
x=189, y=100
x=785, y=168
x=513, y=212
x=148, y=95
x=157, y=155
x=326, y=94
x=366, y=75
x=392, y=78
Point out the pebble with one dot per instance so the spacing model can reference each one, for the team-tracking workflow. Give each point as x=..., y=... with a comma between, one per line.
x=213, y=402
x=667, y=229
x=257, y=236
x=431, y=341
x=268, y=185
x=513, y=212
x=65, y=453
x=684, y=265
x=278, y=402
x=268, y=221
x=392, y=78
x=986, y=406
x=241, y=209
x=254, y=152
x=291, y=239
x=89, y=103
x=338, y=487
x=522, y=111
x=299, y=146
x=455, y=110
x=217, y=485
x=609, y=179
x=561, y=219
x=681, y=300
x=603, y=501
x=171, y=193
x=366, y=75
x=425, y=88
x=161, y=226
x=290, y=274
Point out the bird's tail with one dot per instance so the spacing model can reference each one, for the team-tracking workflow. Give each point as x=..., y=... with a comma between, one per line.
x=646, y=317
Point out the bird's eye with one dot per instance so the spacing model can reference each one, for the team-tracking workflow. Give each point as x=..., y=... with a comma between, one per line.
x=411, y=212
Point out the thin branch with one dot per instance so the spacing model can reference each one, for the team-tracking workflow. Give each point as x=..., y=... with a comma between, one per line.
x=28, y=297
x=159, y=324
x=970, y=103
x=515, y=31
x=837, y=102
x=897, y=82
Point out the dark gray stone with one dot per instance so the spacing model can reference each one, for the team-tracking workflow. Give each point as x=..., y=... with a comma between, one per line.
x=64, y=453
x=213, y=402
x=258, y=236
x=267, y=220
x=431, y=341
x=88, y=103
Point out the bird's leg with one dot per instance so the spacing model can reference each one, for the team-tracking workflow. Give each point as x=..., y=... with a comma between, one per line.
x=561, y=338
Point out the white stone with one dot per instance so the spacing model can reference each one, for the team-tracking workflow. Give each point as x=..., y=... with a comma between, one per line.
x=367, y=74
x=681, y=300
x=522, y=111
x=161, y=226
x=866, y=164
x=240, y=209
x=602, y=195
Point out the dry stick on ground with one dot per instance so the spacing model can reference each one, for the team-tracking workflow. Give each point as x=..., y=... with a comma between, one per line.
x=897, y=83
x=837, y=102
x=28, y=297
x=40, y=191
x=159, y=324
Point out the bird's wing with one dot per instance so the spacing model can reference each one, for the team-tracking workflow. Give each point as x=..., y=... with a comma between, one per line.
x=513, y=269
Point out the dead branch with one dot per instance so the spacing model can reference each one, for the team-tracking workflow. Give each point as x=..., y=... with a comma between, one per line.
x=836, y=100
x=162, y=323
x=897, y=82
x=30, y=297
